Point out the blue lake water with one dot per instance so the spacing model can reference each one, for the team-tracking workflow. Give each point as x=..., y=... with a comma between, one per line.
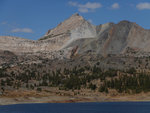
x=108, y=107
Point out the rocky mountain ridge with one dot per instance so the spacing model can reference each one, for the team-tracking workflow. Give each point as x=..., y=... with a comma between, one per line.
x=76, y=32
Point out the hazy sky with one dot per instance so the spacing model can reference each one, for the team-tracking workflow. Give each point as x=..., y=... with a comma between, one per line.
x=32, y=18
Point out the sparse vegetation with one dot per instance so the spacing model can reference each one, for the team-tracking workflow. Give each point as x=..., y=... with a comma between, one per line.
x=76, y=78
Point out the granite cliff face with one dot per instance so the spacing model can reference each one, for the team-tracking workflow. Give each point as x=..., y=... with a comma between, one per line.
x=76, y=32
x=117, y=39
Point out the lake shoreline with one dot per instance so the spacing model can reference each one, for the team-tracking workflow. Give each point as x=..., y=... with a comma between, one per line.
x=65, y=99
x=56, y=96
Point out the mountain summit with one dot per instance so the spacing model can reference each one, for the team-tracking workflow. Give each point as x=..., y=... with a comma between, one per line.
x=71, y=23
